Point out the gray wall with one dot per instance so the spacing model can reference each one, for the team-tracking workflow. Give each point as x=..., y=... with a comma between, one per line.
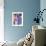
x=29, y=8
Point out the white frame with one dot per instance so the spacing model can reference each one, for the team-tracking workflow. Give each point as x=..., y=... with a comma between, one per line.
x=22, y=18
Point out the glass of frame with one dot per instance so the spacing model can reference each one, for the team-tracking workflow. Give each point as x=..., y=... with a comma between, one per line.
x=17, y=18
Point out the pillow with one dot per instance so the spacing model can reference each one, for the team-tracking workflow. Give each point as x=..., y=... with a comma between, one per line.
x=21, y=42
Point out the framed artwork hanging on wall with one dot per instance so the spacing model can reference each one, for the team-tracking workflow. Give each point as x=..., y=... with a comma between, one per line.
x=17, y=18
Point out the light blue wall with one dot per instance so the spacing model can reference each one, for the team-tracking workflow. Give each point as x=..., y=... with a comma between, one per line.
x=29, y=8
x=43, y=6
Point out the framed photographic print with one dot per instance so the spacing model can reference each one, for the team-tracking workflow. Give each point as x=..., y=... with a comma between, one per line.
x=17, y=18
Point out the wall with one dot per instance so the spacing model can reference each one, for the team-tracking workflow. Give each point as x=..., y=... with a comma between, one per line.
x=29, y=8
x=1, y=21
x=43, y=6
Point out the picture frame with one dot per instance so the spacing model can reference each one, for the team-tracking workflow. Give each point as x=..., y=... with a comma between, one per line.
x=17, y=18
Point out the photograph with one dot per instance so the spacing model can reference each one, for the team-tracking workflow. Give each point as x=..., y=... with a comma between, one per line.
x=17, y=18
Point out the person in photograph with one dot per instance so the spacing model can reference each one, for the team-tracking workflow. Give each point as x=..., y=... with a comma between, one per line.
x=15, y=19
x=19, y=19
